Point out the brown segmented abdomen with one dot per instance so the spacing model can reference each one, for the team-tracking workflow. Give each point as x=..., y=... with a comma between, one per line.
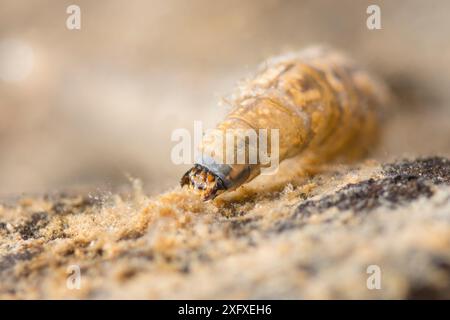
x=323, y=105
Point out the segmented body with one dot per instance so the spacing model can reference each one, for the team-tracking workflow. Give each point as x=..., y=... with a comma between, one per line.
x=322, y=104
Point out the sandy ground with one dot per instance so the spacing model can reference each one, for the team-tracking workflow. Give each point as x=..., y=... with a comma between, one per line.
x=315, y=238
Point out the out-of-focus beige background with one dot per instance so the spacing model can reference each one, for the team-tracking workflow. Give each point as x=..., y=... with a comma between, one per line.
x=88, y=107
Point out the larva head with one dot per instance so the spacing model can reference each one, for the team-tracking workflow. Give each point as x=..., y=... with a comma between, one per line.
x=203, y=181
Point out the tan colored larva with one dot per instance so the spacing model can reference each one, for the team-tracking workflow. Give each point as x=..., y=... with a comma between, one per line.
x=323, y=104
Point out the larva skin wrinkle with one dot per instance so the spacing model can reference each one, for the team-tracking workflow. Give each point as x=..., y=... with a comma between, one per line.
x=323, y=105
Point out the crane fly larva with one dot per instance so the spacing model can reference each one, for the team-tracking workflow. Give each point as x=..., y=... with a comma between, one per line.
x=322, y=104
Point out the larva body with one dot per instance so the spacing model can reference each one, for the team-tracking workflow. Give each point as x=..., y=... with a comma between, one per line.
x=322, y=104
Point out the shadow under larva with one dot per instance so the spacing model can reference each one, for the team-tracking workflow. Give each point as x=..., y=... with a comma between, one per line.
x=317, y=101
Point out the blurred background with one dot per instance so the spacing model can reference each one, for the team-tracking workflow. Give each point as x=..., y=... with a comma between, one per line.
x=89, y=107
